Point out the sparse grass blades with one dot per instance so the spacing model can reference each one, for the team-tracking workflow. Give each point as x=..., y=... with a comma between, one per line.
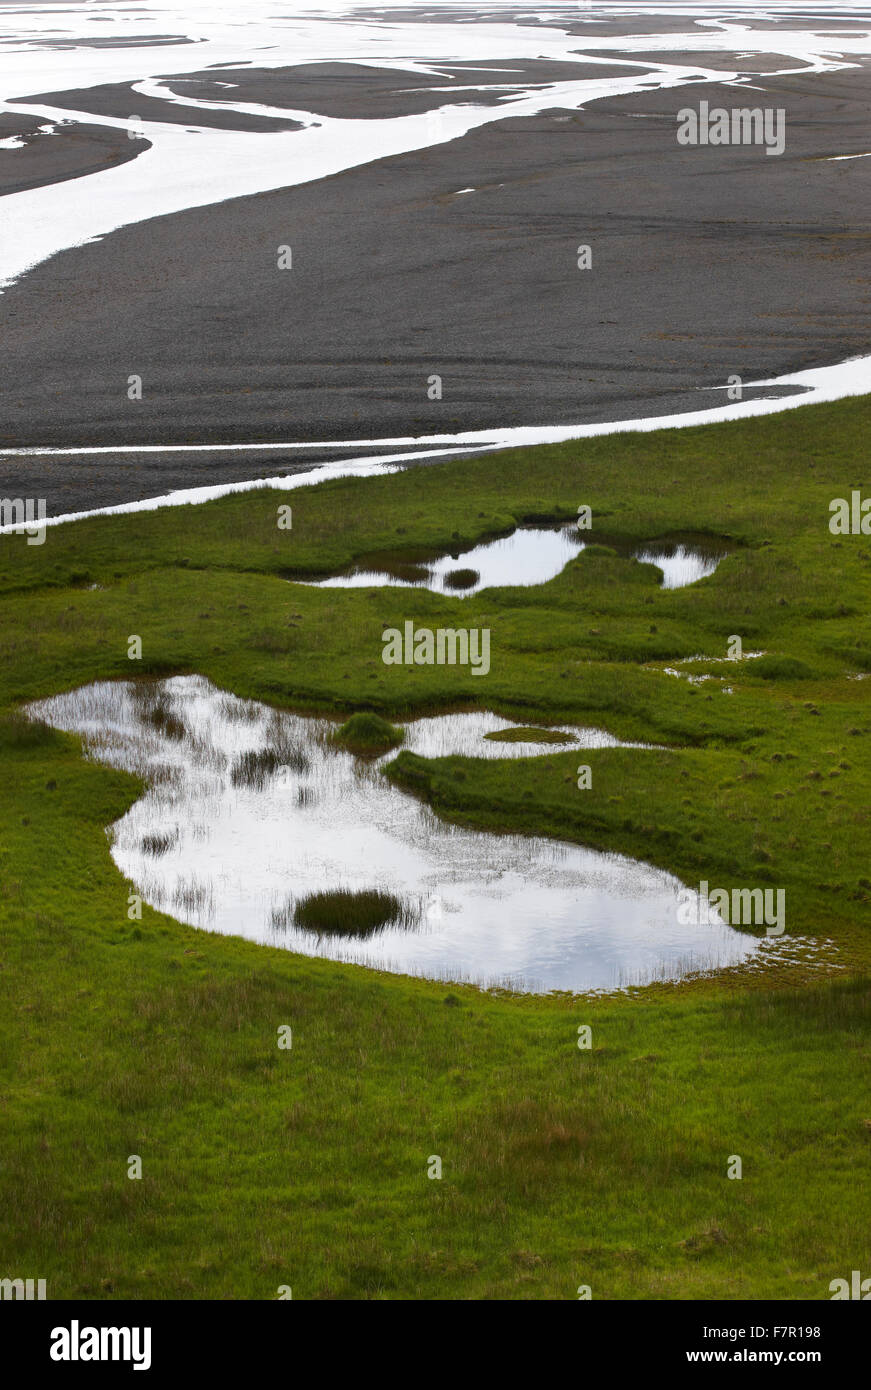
x=194, y=899
x=159, y=842
x=165, y=719
x=239, y=711
x=255, y=767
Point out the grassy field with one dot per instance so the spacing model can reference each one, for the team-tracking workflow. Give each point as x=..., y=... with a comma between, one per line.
x=561, y=1167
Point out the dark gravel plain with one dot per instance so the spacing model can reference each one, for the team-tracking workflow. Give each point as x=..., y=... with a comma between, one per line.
x=705, y=262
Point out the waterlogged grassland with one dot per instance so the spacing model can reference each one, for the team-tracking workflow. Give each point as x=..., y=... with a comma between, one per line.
x=561, y=1167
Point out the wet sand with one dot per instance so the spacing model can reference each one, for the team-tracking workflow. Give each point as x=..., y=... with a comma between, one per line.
x=353, y=91
x=119, y=100
x=68, y=152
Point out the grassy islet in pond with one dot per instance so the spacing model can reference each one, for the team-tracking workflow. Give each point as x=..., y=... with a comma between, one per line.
x=461, y=579
x=343, y=912
x=521, y=734
x=366, y=733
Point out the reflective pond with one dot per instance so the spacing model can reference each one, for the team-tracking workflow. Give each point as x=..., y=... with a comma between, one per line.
x=530, y=555
x=249, y=811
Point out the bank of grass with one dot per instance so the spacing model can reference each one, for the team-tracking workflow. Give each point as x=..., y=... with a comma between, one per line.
x=264, y=1166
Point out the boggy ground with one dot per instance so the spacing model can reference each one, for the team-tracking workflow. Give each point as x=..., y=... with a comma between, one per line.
x=561, y=1167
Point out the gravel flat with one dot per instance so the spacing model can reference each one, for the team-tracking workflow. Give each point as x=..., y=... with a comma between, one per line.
x=706, y=261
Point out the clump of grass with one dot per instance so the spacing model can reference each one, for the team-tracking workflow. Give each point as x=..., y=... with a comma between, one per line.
x=342, y=912
x=782, y=668
x=143, y=692
x=522, y=734
x=367, y=734
x=461, y=579
x=164, y=719
x=159, y=842
x=254, y=768
x=857, y=655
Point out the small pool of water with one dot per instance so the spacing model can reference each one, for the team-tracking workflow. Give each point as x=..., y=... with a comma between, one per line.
x=250, y=809
x=681, y=564
x=530, y=555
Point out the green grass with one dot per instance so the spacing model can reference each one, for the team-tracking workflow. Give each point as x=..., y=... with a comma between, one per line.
x=561, y=1166
x=343, y=912
x=368, y=734
x=461, y=578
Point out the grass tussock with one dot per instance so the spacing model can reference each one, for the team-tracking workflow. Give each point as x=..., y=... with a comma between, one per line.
x=163, y=718
x=524, y=734
x=367, y=734
x=159, y=842
x=256, y=767
x=343, y=912
x=782, y=668
x=461, y=579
